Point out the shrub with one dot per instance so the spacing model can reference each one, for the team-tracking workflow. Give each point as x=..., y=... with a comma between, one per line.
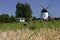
x=4, y=18
x=13, y=19
x=53, y=21
x=34, y=18
x=32, y=28
x=40, y=21
x=25, y=24
x=27, y=19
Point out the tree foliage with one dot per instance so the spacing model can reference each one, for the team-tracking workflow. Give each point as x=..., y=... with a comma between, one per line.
x=5, y=18
x=23, y=10
x=13, y=19
x=34, y=18
x=57, y=18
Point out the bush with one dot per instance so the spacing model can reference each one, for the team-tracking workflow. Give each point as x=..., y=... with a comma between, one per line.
x=41, y=21
x=34, y=18
x=25, y=24
x=13, y=19
x=53, y=21
x=57, y=18
x=27, y=19
x=4, y=18
x=32, y=28
x=50, y=18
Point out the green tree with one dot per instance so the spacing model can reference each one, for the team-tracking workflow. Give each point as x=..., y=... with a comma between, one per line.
x=13, y=19
x=4, y=18
x=19, y=9
x=27, y=11
x=0, y=19
x=23, y=10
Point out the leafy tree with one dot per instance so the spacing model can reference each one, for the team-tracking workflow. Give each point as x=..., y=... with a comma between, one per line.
x=0, y=19
x=23, y=10
x=4, y=18
x=27, y=11
x=19, y=9
x=13, y=19
x=57, y=18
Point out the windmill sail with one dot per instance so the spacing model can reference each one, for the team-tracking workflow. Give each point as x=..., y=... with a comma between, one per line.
x=48, y=6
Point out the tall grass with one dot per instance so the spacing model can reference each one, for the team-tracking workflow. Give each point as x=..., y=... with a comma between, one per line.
x=10, y=26
x=31, y=24
x=26, y=34
x=34, y=30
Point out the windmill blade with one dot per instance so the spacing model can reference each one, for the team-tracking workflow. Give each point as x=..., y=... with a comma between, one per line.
x=40, y=15
x=39, y=4
x=48, y=6
x=50, y=14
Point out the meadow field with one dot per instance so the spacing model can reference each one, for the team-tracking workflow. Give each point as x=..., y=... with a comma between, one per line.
x=32, y=30
x=30, y=25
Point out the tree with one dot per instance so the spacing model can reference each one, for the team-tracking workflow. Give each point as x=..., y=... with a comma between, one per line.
x=0, y=19
x=4, y=18
x=19, y=9
x=27, y=11
x=13, y=19
x=23, y=10
x=57, y=18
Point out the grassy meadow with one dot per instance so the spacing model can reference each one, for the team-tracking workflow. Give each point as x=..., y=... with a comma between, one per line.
x=32, y=30
x=30, y=25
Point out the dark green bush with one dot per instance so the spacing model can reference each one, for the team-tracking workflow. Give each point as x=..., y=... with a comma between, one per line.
x=13, y=19
x=27, y=19
x=5, y=18
x=32, y=28
x=25, y=24
x=34, y=18
x=40, y=21
x=53, y=21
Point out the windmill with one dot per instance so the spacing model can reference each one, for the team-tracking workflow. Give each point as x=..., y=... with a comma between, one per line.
x=45, y=14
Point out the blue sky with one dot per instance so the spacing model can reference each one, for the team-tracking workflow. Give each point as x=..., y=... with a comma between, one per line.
x=9, y=6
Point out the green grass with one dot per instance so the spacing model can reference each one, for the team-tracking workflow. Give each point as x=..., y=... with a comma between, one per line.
x=10, y=26
x=33, y=24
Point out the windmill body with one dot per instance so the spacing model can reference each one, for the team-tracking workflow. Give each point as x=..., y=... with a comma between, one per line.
x=44, y=14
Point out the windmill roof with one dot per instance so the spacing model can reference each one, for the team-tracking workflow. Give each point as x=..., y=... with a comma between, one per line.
x=44, y=10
